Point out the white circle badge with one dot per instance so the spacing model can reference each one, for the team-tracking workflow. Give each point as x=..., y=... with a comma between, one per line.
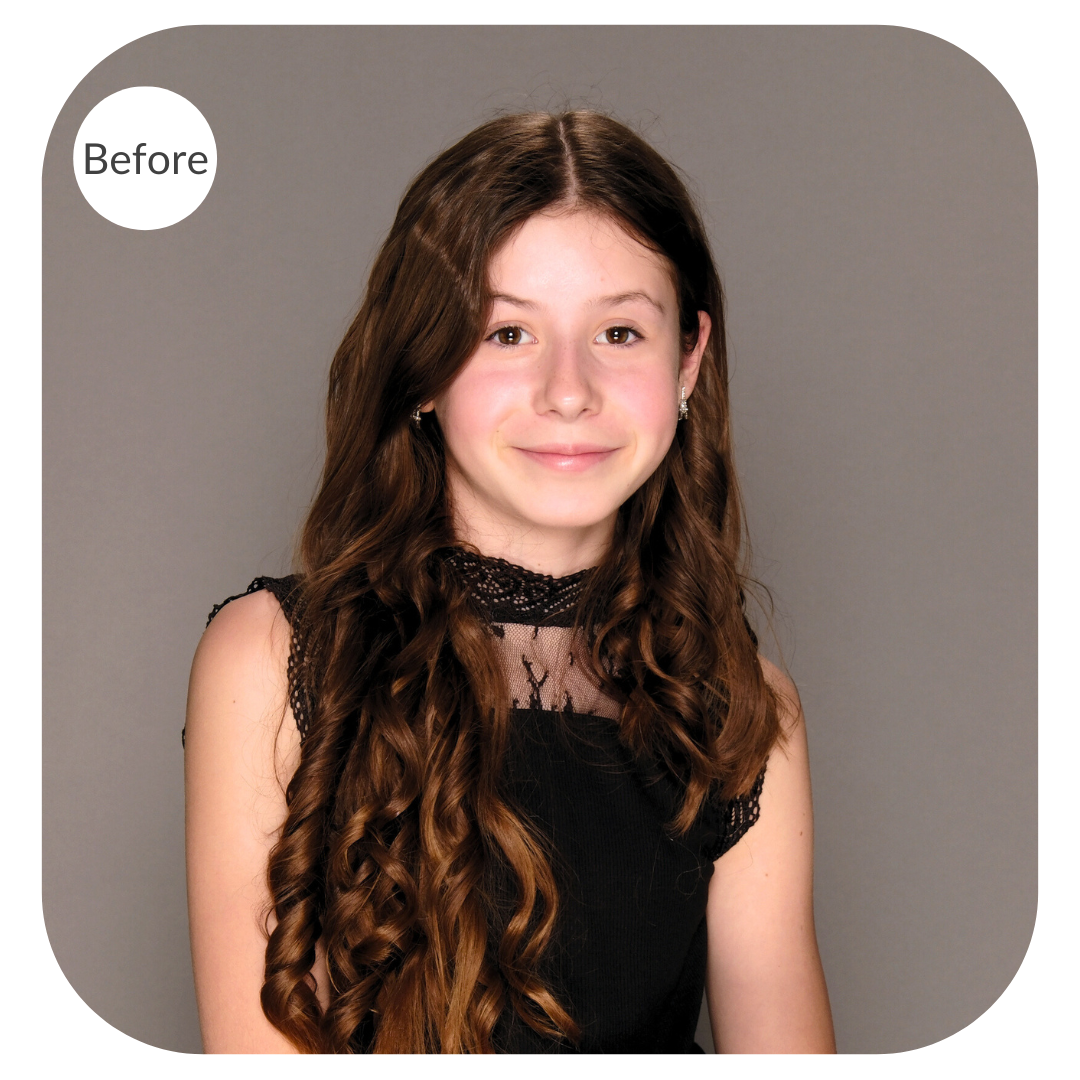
x=145, y=158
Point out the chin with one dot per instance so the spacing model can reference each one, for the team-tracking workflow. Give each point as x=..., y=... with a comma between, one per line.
x=563, y=513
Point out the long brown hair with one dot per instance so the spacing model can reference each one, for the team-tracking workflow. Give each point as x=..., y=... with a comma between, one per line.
x=396, y=813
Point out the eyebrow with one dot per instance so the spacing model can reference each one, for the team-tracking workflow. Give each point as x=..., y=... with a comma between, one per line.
x=600, y=301
x=628, y=297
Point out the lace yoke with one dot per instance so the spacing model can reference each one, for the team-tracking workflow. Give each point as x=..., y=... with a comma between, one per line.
x=532, y=618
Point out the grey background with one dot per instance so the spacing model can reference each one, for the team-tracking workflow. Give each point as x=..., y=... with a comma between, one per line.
x=871, y=197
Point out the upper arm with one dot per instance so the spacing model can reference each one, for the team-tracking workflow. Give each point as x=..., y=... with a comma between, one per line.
x=765, y=984
x=241, y=749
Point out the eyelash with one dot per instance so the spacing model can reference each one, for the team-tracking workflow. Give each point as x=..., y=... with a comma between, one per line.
x=636, y=336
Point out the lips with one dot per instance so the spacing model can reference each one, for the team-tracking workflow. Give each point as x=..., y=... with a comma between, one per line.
x=566, y=457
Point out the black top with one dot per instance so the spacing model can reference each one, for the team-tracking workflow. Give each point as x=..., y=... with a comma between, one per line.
x=629, y=958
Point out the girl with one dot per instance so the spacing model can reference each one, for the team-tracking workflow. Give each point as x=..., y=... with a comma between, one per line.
x=500, y=768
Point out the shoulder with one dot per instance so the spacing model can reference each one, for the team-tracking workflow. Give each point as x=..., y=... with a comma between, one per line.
x=252, y=626
x=782, y=792
x=788, y=702
x=285, y=590
x=787, y=772
x=239, y=687
x=256, y=608
x=249, y=635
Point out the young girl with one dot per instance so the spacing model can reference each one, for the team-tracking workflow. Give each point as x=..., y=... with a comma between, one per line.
x=500, y=768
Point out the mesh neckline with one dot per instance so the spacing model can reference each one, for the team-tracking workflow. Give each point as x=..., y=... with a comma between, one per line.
x=511, y=594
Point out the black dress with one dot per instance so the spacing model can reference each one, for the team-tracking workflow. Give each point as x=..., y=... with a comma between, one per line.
x=629, y=958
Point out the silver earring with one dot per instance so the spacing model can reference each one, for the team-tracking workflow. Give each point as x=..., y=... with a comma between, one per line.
x=414, y=416
x=684, y=409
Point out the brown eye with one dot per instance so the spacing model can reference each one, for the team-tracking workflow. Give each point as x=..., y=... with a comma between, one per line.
x=618, y=335
x=508, y=335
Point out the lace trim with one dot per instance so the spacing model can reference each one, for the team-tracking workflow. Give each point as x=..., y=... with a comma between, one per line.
x=511, y=594
x=736, y=817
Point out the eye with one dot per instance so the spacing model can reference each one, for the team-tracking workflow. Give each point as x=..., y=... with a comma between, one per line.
x=617, y=335
x=508, y=336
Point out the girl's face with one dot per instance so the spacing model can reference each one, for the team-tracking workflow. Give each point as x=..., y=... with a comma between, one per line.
x=571, y=400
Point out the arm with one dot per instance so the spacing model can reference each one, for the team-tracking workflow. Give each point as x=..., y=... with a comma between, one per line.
x=236, y=768
x=765, y=985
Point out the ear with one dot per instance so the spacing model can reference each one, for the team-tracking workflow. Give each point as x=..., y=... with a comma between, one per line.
x=691, y=361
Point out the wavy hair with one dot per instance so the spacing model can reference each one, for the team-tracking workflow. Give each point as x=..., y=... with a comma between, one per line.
x=398, y=833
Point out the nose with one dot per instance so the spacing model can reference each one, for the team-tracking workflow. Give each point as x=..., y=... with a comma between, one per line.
x=567, y=387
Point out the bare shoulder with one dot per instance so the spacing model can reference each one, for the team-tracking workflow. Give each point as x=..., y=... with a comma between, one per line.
x=783, y=830
x=240, y=672
x=787, y=775
x=242, y=747
x=249, y=634
x=787, y=696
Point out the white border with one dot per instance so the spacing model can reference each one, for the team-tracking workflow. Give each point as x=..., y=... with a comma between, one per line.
x=53, y=46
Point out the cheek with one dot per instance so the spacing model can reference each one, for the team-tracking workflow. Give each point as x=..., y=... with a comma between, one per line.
x=649, y=405
x=471, y=411
x=462, y=428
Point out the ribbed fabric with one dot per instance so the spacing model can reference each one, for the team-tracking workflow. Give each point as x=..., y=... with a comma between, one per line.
x=630, y=955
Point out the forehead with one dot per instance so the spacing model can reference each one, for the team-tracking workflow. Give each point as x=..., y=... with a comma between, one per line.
x=563, y=252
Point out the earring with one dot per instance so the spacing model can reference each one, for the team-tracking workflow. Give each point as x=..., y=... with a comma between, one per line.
x=414, y=416
x=684, y=409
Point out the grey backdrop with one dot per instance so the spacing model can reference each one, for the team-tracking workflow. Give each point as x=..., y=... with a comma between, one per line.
x=870, y=193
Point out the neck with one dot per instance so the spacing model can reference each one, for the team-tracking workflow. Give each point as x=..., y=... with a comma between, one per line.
x=550, y=550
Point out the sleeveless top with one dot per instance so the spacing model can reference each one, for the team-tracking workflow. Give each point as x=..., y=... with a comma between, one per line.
x=628, y=962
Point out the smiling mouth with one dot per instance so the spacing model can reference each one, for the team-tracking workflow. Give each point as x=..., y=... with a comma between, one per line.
x=568, y=459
